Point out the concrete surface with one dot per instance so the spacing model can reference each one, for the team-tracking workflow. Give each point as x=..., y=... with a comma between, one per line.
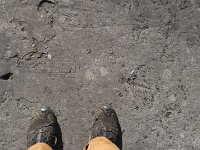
x=142, y=57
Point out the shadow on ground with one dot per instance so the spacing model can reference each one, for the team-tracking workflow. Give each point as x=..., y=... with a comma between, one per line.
x=59, y=145
x=119, y=139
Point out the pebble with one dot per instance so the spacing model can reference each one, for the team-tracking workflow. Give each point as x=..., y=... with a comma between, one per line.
x=172, y=98
x=49, y=56
x=103, y=71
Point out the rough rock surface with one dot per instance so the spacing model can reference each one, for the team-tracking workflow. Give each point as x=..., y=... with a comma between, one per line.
x=142, y=57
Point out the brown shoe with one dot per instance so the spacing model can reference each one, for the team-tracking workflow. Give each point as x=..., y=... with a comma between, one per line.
x=43, y=128
x=106, y=124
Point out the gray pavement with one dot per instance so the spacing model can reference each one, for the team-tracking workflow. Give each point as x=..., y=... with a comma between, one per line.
x=142, y=57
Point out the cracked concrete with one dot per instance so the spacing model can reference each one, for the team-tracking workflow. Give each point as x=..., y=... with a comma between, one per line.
x=142, y=57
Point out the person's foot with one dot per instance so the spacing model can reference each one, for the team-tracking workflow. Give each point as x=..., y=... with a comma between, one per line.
x=43, y=128
x=106, y=124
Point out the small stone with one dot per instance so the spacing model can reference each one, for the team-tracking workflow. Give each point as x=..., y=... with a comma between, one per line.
x=49, y=56
x=182, y=135
x=24, y=1
x=132, y=72
x=172, y=98
x=103, y=71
